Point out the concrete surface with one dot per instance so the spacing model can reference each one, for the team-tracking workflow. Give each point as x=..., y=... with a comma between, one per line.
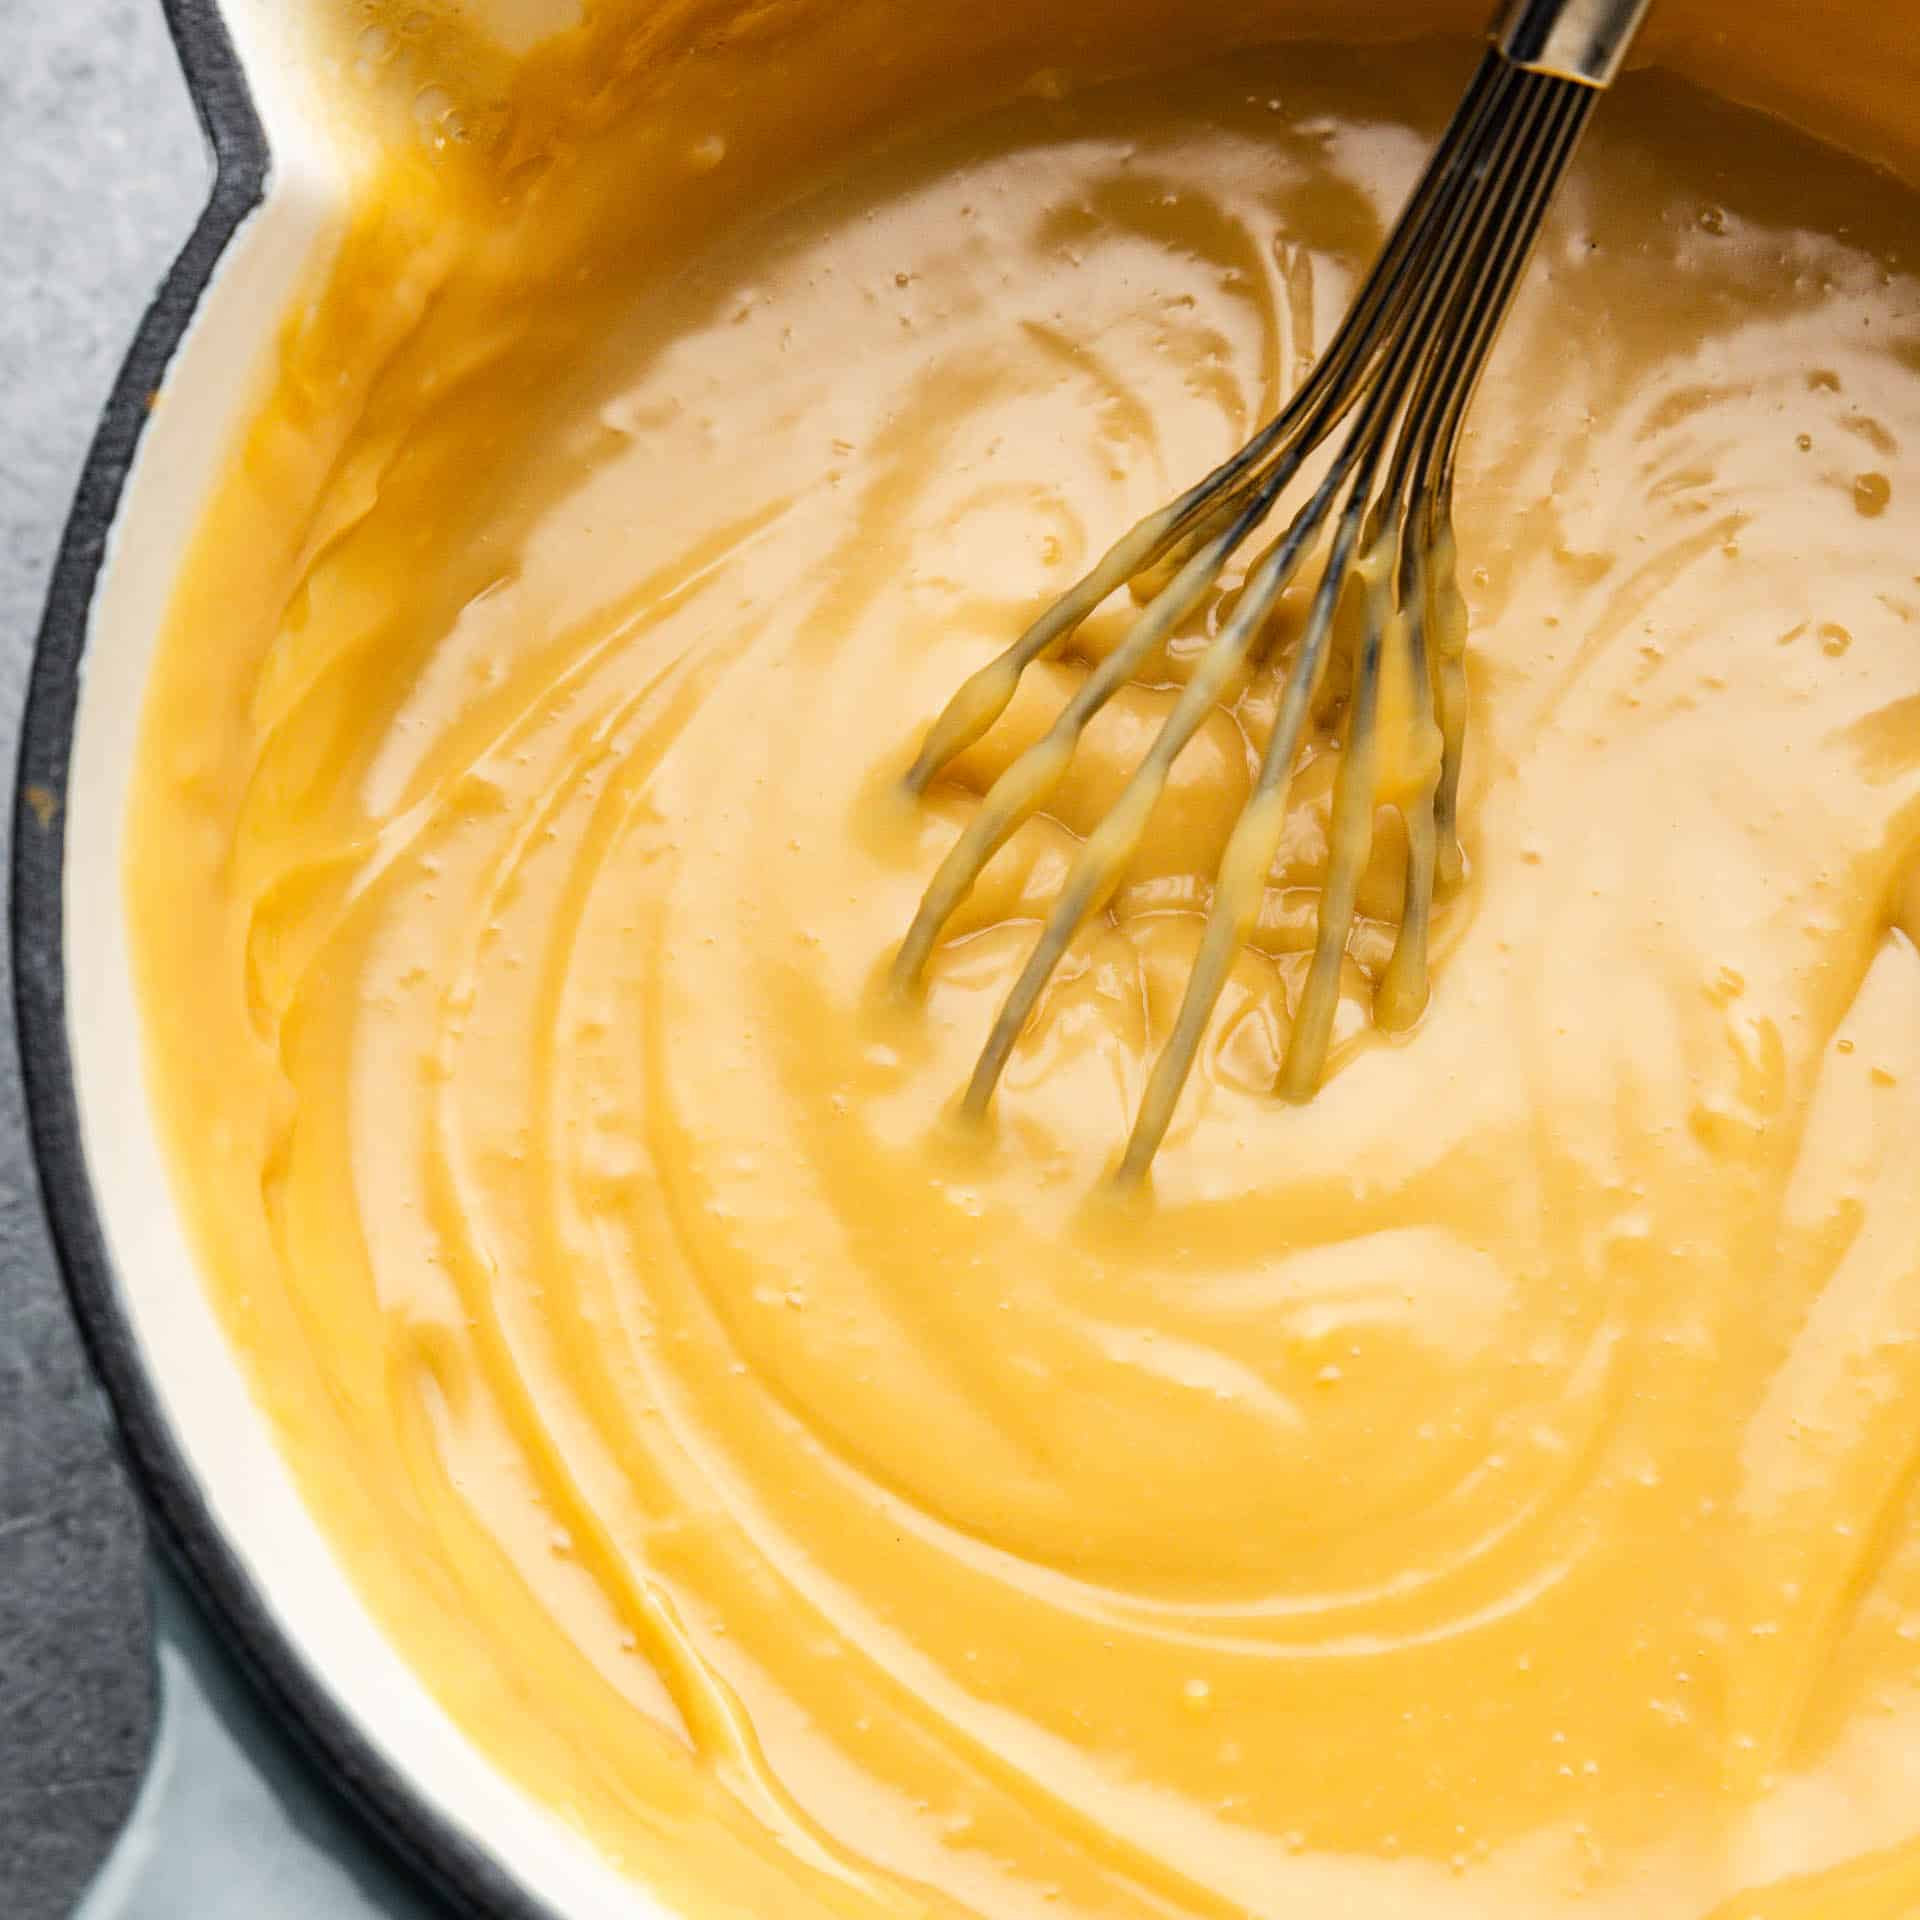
x=101, y=174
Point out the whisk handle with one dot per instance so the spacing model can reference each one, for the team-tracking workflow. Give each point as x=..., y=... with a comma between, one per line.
x=1583, y=40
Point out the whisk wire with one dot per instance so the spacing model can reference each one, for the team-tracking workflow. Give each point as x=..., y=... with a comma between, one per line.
x=1251, y=488
x=1242, y=877
x=1404, y=362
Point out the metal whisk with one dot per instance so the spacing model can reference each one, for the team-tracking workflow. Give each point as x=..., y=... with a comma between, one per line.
x=1406, y=357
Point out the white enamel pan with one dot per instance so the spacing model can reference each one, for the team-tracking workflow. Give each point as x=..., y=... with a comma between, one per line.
x=302, y=1769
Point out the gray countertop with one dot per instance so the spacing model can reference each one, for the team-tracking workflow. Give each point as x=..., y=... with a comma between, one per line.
x=101, y=173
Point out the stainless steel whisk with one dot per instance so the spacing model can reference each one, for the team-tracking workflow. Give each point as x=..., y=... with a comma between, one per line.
x=1407, y=357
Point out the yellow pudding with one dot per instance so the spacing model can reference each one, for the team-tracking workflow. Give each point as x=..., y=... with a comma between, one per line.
x=1486, y=1490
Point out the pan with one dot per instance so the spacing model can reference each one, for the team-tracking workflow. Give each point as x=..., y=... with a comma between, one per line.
x=301, y=1766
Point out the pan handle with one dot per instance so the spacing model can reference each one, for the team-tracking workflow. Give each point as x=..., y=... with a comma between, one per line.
x=231, y=1823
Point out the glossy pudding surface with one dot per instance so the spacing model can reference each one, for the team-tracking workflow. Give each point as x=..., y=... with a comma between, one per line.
x=1485, y=1491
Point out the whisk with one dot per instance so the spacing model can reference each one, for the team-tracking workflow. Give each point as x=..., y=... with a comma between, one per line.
x=1407, y=357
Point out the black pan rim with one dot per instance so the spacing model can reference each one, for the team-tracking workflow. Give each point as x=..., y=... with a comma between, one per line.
x=444, y=1860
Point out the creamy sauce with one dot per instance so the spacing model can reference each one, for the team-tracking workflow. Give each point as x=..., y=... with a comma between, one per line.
x=1485, y=1491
